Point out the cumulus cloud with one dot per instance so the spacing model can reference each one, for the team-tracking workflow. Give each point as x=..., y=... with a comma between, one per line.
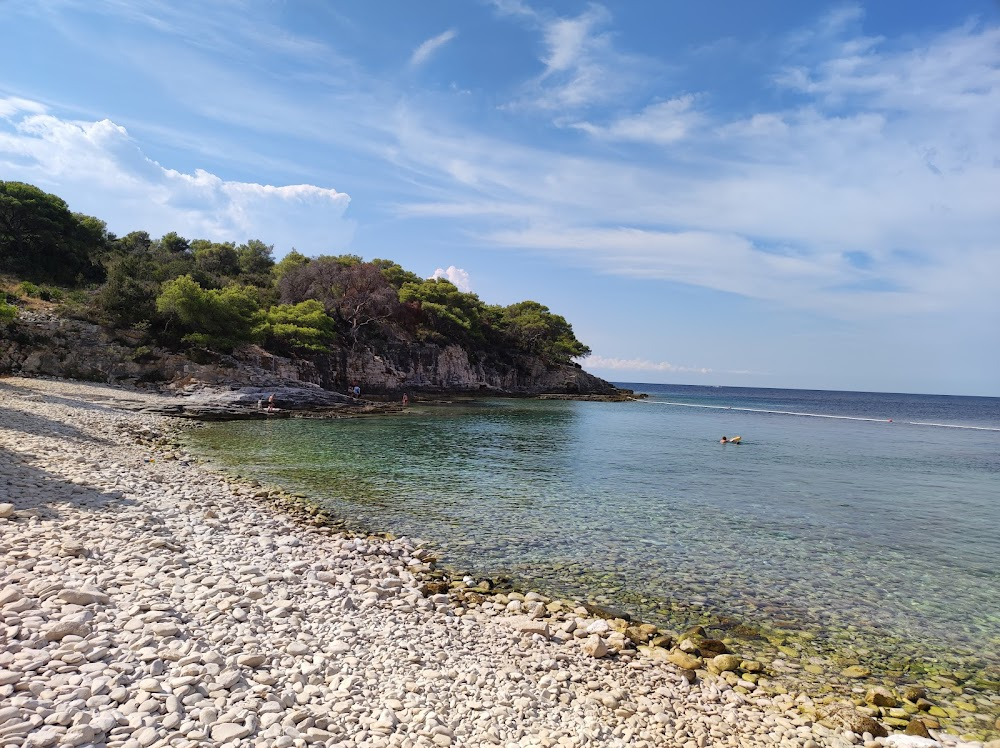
x=456, y=275
x=424, y=52
x=99, y=169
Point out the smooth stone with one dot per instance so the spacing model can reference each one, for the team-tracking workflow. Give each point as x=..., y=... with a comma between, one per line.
x=164, y=629
x=856, y=671
x=724, y=662
x=83, y=597
x=684, y=660
x=880, y=696
x=150, y=685
x=226, y=731
x=528, y=625
x=59, y=631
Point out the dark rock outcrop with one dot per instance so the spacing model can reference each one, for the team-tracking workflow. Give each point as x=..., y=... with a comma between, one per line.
x=46, y=345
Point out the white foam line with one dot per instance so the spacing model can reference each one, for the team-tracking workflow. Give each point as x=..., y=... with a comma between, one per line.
x=772, y=412
x=820, y=415
x=950, y=426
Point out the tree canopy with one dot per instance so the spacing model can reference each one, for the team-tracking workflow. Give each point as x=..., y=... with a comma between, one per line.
x=40, y=239
x=222, y=295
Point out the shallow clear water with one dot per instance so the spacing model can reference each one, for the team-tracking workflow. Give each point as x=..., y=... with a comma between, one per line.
x=885, y=531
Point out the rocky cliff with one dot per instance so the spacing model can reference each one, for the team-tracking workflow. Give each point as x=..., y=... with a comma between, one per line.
x=47, y=345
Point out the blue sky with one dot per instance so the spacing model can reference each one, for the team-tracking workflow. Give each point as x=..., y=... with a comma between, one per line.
x=768, y=194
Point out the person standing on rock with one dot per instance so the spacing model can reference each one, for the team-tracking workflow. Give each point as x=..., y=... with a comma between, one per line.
x=406, y=399
x=270, y=403
x=357, y=391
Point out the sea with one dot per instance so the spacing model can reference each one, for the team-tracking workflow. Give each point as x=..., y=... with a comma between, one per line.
x=846, y=527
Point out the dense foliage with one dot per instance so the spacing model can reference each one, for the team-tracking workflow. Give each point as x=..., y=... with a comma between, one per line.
x=220, y=295
x=42, y=241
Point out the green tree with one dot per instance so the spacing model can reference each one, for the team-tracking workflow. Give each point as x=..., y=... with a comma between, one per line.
x=215, y=263
x=94, y=233
x=129, y=294
x=532, y=327
x=445, y=310
x=42, y=240
x=256, y=260
x=134, y=242
x=221, y=319
x=305, y=326
x=171, y=257
x=395, y=273
x=173, y=244
x=291, y=261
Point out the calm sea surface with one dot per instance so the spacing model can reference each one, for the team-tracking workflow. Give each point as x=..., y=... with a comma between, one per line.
x=863, y=534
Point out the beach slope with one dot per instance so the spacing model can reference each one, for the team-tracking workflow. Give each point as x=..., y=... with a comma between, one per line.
x=147, y=601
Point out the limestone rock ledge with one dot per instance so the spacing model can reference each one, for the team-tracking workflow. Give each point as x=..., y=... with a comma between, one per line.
x=47, y=345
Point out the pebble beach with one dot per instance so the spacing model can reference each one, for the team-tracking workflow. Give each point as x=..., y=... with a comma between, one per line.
x=148, y=601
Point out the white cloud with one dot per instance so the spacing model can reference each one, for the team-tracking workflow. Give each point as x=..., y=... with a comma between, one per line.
x=13, y=105
x=99, y=169
x=456, y=275
x=639, y=364
x=582, y=65
x=663, y=123
x=889, y=151
x=424, y=52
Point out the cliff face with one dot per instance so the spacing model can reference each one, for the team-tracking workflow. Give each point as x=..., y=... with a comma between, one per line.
x=39, y=344
x=448, y=369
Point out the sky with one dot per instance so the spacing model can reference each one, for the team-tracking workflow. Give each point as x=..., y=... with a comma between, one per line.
x=767, y=194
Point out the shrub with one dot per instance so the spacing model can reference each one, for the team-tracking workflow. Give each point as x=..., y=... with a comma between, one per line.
x=220, y=319
x=48, y=293
x=27, y=288
x=305, y=325
x=8, y=313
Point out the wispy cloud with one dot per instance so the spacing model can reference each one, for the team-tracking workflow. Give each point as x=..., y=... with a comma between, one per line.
x=456, y=275
x=639, y=364
x=883, y=147
x=13, y=105
x=888, y=149
x=582, y=66
x=424, y=52
x=662, y=123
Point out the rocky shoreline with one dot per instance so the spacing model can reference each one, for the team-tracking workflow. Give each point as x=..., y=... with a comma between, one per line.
x=147, y=601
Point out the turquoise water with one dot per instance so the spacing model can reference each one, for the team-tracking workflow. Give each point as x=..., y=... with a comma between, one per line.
x=867, y=535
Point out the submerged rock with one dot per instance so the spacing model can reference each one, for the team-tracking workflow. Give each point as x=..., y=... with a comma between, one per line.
x=917, y=727
x=880, y=696
x=849, y=718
